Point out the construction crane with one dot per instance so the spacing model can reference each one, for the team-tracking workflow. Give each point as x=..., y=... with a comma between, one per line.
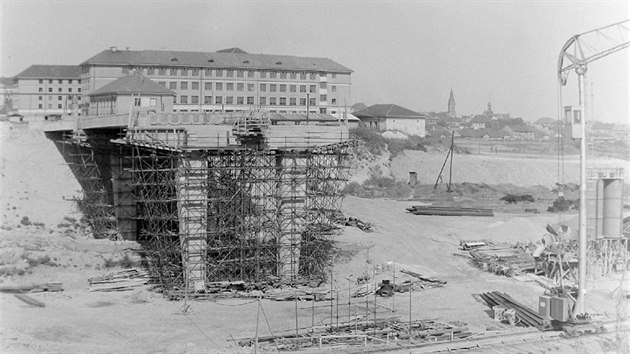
x=576, y=54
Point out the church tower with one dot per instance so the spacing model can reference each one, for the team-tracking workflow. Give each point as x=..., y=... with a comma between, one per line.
x=451, y=106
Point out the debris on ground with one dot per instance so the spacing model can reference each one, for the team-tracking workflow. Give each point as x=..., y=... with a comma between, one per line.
x=449, y=211
x=30, y=300
x=468, y=245
x=503, y=259
x=31, y=288
x=381, y=332
x=126, y=279
x=514, y=198
x=431, y=282
x=341, y=219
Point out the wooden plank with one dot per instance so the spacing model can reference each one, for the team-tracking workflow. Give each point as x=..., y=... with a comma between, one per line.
x=29, y=300
x=31, y=288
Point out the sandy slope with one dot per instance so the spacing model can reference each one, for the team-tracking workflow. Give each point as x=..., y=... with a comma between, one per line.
x=517, y=169
x=35, y=181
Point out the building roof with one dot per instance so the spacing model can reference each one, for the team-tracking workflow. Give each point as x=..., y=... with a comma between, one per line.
x=227, y=58
x=387, y=111
x=133, y=84
x=480, y=119
x=50, y=72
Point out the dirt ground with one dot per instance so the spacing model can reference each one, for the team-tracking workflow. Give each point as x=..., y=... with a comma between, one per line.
x=37, y=183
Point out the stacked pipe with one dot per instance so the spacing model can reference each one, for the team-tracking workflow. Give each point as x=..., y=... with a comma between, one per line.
x=525, y=315
x=449, y=211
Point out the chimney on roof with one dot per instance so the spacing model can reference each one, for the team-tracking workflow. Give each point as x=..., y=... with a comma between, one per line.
x=113, y=49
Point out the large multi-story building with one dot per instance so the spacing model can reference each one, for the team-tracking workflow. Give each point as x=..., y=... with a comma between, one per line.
x=43, y=90
x=228, y=80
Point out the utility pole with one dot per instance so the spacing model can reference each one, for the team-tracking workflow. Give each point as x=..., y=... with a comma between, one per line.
x=581, y=300
x=308, y=100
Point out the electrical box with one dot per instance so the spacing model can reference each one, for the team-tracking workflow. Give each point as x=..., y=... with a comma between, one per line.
x=576, y=124
x=560, y=308
x=544, y=306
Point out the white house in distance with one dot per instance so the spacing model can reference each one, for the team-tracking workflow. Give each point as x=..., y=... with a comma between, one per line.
x=118, y=96
x=383, y=117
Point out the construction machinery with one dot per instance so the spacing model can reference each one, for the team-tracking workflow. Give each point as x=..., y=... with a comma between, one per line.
x=576, y=54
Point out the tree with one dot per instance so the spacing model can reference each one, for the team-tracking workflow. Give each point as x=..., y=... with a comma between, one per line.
x=359, y=106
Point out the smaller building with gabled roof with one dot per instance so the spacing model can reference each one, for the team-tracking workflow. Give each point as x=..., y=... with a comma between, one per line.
x=383, y=117
x=135, y=92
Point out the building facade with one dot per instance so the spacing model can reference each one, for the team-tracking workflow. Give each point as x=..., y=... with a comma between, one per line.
x=44, y=90
x=383, y=117
x=131, y=92
x=229, y=80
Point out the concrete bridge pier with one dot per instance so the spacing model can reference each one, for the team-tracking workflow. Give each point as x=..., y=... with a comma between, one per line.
x=123, y=197
x=291, y=213
x=192, y=208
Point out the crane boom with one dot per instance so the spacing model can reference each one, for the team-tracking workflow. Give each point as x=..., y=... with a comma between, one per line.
x=584, y=48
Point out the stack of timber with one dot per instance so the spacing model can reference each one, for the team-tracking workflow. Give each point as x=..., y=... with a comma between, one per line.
x=126, y=279
x=526, y=316
x=503, y=259
x=425, y=282
x=449, y=211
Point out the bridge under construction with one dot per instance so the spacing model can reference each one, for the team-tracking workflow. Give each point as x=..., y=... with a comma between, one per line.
x=215, y=196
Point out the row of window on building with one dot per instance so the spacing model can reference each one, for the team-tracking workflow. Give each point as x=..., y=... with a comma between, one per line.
x=272, y=101
x=241, y=86
x=59, y=81
x=59, y=89
x=292, y=75
x=61, y=98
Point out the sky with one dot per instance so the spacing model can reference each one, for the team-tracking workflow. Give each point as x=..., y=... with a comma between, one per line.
x=410, y=53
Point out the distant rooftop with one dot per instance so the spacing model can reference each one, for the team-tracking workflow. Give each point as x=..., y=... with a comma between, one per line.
x=50, y=72
x=387, y=111
x=133, y=84
x=227, y=58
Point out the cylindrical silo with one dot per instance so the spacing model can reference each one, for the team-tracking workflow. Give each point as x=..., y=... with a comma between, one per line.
x=612, y=221
x=599, y=208
x=594, y=207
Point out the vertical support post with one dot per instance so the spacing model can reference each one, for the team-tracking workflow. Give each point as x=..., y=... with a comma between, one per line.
x=581, y=300
x=124, y=200
x=192, y=207
x=450, y=172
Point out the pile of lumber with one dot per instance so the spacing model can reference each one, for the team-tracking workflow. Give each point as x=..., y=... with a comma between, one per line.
x=449, y=211
x=525, y=316
x=424, y=282
x=125, y=279
x=502, y=259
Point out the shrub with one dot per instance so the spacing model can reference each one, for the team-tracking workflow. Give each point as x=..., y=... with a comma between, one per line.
x=25, y=221
x=373, y=141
